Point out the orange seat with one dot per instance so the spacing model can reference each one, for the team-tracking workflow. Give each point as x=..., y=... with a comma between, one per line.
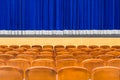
x=3, y=46
x=48, y=46
x=20, y=63
x=47, y=49
x=26, y=56
x=106, y=73
x=21, y=50
x=6, y=56
x=58, y=46
x=37, y=46
x=14, y=46
x=93, y=46
x=65, y=56
x=31, y=53
x=96, y=53
x=90, y=64
x=40, y=73
x=65, y=63
x=114, y=62
x=70, y=46
x=104, y=46
x=25, y=46
x=105, y=57
x=77, y=53
x=116, y=46
x=46, y=52
x=114, y=53
x=43, y=62
x=10, y=73
x=12, y=52
x=73, y=73
x=2, y=62
x=81, y=46
x=44, y=56
x=62, y=53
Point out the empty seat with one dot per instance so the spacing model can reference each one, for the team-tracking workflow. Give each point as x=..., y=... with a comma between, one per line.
x=81, y=58
x=44, y=56
x=46, y=52
x=20, y=63
x=86, y=49
x=114, y=62
x=62, y=53
x=70, y=46
x=26, y=56
x=48, y=46
x=105, y=57
x=3, y=46
x=73, y=73
x=58, y=46
x=77, y=53
x=114, y=53
x=31, y=53
x=93, y=46
x=65, y=63
x=2, y=62
x=6, y=56
x=104, y=46
x=40, y=73
x=44, y=62
x=37, y=46
x=81, y=46
x=116, y=46
x=65, y=56
x=96, y=53
x=14, y=46
x=25, y=46
x=106, y=73
x=10, y=73
x=12, y=52
x=90, y=64
x=21, y=50
x=47, y=49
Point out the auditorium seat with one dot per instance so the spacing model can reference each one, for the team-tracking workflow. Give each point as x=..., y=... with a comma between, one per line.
x=47, y=52
x=65, y=56
x=116, y=46
x=106, y=73
x=31, y=53
x=10, y=73
x=14, y=46
x=48, y=46
x=105, y=57
x=70, y=46
x=26, y=56
x=104, y=46
x=114, y=62
x=81, y=58
x=81, y=46
x=93, y=46
x=73, y=73
x=77, y=53
x=20, y=63
x=65, y=63
x=21, y=50
x=90, y=64
x=44, y=56
x=96, y=53
x=2, y=62
x=25, y=46
x=62, y=53
x=3, y=46
x=86, y=49
x=44, y=62
x=37, y=46
x=14, y=53
x=114, y=53
x=40, y=73
x=4, y=50
x=58, y=46
x=60, y=49
x=6, y=57
x=47, y=49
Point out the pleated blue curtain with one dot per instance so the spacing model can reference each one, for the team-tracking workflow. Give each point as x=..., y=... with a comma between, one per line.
x=59, y=14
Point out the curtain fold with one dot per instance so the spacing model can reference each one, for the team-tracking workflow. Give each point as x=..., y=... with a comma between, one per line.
x=59, y=14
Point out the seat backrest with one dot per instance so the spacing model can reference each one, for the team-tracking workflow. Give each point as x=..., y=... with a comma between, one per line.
x=10, y=73
x=73, y=73
x=25, y=46
x=40, y=73
x=104, y=46
x=3, y=46
x=116, y=46
x=114, y=62
x=65, y=63
x=44, y=62
x=20, y=63
x=81, y=46
x=106, y=73
x=70, y=46
x=45, y=56
x=14, y=46
x=90, y=64
x=93, y=46
x=2, y=62
x=65, y=56
x=6, y=56
x=48, y=46
x=14, y=53
x=31, y=53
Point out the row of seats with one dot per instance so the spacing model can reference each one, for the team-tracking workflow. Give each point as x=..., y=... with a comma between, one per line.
x=89, y=64
x=67, y=73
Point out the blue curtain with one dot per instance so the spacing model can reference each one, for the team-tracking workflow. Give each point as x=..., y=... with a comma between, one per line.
x=59, y=14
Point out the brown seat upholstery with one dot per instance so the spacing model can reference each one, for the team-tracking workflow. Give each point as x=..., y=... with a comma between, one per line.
x=70, y=46
x=40, y=73
x=93, y=46
x=48, y=46
x=10, y=73
x=31, y=53
x=14, y=46
x=6, y=56
x=37, y=46
x=81, y=46
x=44, y=56
x=104, y=46
x=3, y=46
x=106, y=73
x=12, y=52
x=116, y=46
x=73, y=73
x=25, y=46
x=90, y=64
x=65, y=56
